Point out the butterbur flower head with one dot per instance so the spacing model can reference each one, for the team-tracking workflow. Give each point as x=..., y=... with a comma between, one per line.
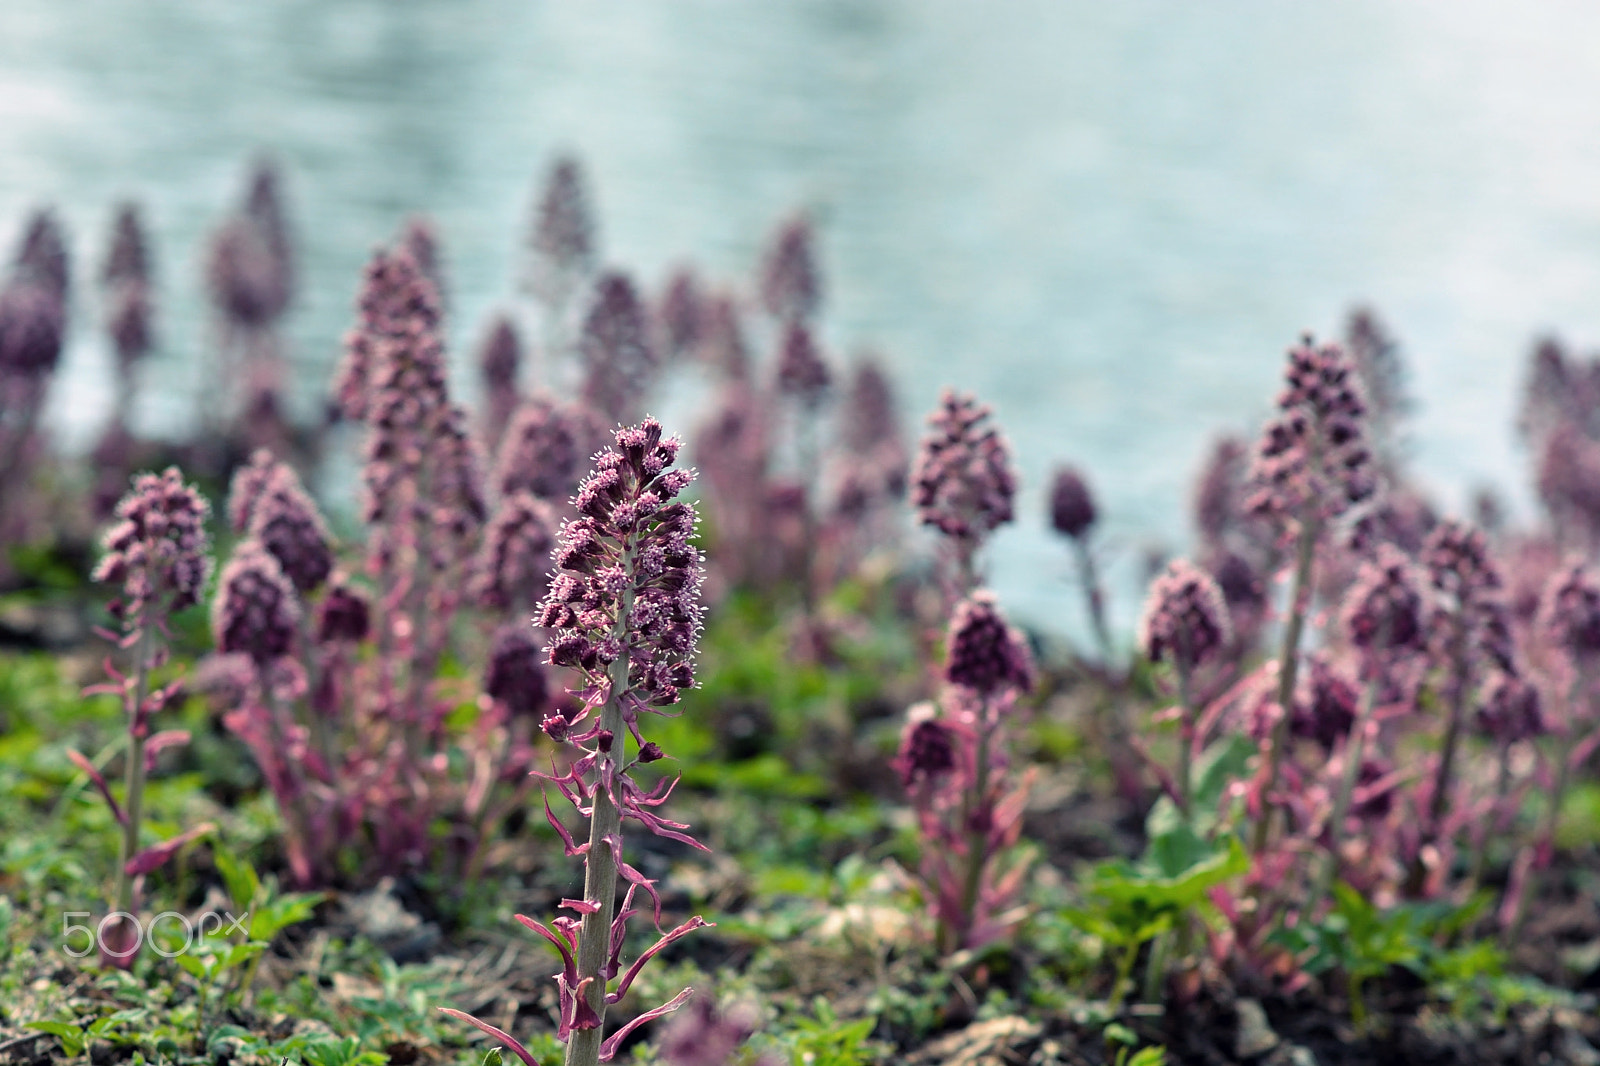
x=515, y=673
x=129, y=257
x=801, y=370
x=514, y=563
x=244, y=277
x=723, y=346
x=456, y=460
x=1509, y=710
x=543, y=449
x=1374, y=800
x=1313, y=453
x=343, y=614
x=1219, y=493
x=158, y=550
x=700, y=1036
x=1376, y=357
x=1072, y=509
x=1185, y=617
x=790, y=285
x=1570, y=613
x=32, y=326
x=267, y=500
x=927, y=750
x=563, y=240
x=682, y=313
x=500, y=357
x=1385, y=612
x=962, y=482
x=619, y=361
x=629, y=550
x=1568, y=478
x=394, y=347
x=42, y=255
x=985, y=654
x=420, y=237
x=1329, y=710
x=869, y=418
x=255, y=612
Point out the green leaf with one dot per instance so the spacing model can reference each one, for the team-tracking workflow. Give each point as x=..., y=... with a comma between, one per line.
x=71, y=1036
x=237, y=874
x=493, y=1057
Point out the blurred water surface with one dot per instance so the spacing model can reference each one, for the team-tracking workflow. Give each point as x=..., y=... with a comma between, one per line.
x=1106, y=219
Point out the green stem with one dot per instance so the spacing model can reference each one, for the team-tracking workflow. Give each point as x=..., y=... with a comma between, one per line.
x=1185, y=734
x=600, y=866
x=1447, y=758
x=1288, y=663
x=1089, y=578
x=138, y=730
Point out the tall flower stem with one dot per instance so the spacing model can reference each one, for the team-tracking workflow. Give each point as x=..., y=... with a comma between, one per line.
x=977, y=830
x=1347, y=784
x=1447, y=758
x=138, y=730
x=1288, y=664
x=1094, y=595
x=600, y=862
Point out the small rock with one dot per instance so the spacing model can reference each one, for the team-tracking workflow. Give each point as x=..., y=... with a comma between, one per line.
x=979, y=1044
x=1255, y=1034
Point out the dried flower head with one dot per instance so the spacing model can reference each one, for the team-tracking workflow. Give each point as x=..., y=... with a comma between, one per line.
x=985, y=654
x=869, y=417
x=802, y=373
x=1313, y=453
x=1568, y=480
x=256, y=612
x=158, y=550
x=790, y=286
x=515, y=673
x=1185, y=617
x=619, y=361
x=1466, y=582
x=245, y=278
x=1384, y=611
x=513, y=566
x=1220, y=491
x=1072, y=509
x=962, y=482
x=396, y=308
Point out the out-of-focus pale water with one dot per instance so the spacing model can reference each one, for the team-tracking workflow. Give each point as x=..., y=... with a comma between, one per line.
x=1106, y=219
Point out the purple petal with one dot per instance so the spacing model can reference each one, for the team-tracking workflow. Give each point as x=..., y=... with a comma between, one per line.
x=100, y=783
x=505, y=1038
x=154, y=858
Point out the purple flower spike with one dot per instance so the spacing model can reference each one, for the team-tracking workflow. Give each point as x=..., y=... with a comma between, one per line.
x=42, y=255
x=1570, y=613
x=255, y=612
x=1386, y=612
x=927, y=751
x=1510, y=711
x=790, y=286
x=343, y=614
x=267, y=500
x=1314, y=452
x=544, y=448
x=1328, y=714
x=962, y=482
x=563, y=240
x=986, y=654
x=1072, y=509
x=619, y=361
x=515, y=674
x=158, y=550
x=801, y=370
x=1185, y=618
x=682, y=314
x=32, y=326
x=513, y=568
